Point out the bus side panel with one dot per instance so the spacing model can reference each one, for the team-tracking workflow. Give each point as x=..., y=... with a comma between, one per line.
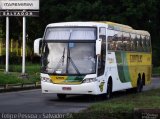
x=119, y=72
x=129, y=65
x=139, y=63
x=122, y=65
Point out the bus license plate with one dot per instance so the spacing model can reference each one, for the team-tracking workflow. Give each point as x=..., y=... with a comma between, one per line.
x=66, y=88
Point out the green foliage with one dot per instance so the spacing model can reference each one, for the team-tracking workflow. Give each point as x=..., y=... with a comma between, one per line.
x=30, y=68
x=15, y=71
x=121, y=107
x=14, y=78
x=143, y=14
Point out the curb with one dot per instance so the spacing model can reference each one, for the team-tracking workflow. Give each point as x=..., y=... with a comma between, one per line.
x=155, y=75
x=19, y=87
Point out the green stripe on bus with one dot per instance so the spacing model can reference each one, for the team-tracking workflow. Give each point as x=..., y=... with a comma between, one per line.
x=122, y=65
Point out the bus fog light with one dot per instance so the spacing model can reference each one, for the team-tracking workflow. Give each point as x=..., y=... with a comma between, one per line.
x=89, y=80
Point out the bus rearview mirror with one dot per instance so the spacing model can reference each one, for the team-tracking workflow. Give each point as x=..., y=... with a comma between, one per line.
x=98, y=46
x=37, y=46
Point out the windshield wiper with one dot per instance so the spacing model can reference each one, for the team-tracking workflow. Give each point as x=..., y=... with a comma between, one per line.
x=63, y=57
x=69, y=59
x=61, y=60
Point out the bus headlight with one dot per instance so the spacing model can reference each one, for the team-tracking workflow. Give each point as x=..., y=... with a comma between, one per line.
x=89, y=80
x=46, y=79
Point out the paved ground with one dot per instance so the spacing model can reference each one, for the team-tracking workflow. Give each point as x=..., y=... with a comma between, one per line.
x=155, y=84
x=33, y=101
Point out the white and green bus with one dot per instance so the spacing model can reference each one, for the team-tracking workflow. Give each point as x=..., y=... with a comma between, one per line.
x=93, y=58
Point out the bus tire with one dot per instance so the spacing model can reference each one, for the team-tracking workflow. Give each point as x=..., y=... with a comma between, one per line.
x=61, y=96
x=143, y=79
x=139, y=85
x=109, y=89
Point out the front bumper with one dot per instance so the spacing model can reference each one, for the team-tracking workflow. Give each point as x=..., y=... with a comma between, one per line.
x=84, y=88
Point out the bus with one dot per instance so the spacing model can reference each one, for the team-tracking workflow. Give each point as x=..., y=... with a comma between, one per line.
x=95, y=58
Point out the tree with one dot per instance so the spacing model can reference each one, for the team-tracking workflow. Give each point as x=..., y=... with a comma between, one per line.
x=143, y=14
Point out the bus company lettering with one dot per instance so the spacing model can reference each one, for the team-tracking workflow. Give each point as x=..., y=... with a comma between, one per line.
x=135, y=58
x=61, y=78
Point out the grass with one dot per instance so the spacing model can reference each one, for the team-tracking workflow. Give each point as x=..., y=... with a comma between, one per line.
x=121, y=107
x=14, y=75
x=30, y=68
x=14, y=78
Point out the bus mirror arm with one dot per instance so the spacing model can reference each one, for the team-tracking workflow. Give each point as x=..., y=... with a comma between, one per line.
x=98, y=46
x=37, y=46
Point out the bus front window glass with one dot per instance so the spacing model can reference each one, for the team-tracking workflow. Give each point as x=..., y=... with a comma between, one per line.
x=79, y=58
x=71, y=50
x=77, y=34
x=83, y=57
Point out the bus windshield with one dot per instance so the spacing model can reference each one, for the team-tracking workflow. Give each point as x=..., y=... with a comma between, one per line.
x=78, y=59
x=69, y=56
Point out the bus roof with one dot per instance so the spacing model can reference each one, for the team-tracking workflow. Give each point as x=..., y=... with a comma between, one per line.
x=72, y=24
x=108, y=24
x=142, y=32
x=117, y=24
x=126, y=28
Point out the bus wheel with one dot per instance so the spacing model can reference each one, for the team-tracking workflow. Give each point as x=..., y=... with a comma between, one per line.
x=109, y=89
x=61, y=96
x=139, y=85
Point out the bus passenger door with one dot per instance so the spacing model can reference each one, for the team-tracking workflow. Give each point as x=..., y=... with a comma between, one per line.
x=102, y=56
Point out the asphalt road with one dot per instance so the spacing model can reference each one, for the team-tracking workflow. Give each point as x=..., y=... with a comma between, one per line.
x=33, y=101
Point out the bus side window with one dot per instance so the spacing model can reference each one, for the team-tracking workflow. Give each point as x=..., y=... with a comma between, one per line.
x=126, y=41
x=119, y=45
x=144, y=43
x=110, y=42
x=140, y=48
x=115, y=39
x=119, y=41
x=123, y=44
x=133, y=42
x=148, y=44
